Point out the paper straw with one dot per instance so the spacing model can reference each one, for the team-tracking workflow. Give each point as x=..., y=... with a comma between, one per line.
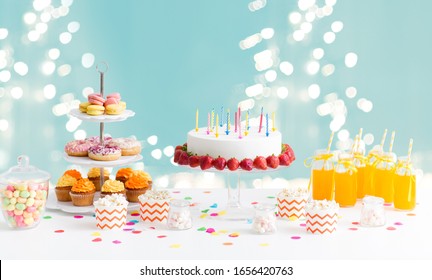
x=330, y=141
x=360, y=133
x=392, y=141
x=354, y=146
x=383, y=138
x=410, y=149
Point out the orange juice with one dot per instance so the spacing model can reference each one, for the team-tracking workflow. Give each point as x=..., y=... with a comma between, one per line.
x=322, y=184
x=383, y=184
x=367, y=180
x=404, y=192
x=361, y=190
x=346, y=188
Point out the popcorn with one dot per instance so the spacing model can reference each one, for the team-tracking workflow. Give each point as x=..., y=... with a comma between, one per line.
x=290, y=192
x=156, y=195
x=322, y=205
x=111, y=201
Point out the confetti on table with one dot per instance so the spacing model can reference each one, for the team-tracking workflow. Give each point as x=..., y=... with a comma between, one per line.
x=391, y=228
x=253, y=203
x=210, y=230
x=188, y=198
x=302, y=225
x=59, y=231
x=353, y=228
x=206, y=191
x=234, y=234
x=295, y=237
x=130, y=223
x=175, y=246
x=205, y=211
x=249, y=221
x=96, y=233
x=78, y=217
x=128, y=229
x=201, y=229
x=135, y=213
x=214, y=233
x=264, y=244
x=411, y=214
x=227, y=243
x=194, y=204
x=214, y=214
x=214, y=205
x=398, y=224
x=221, y=213
x=152, y=228
x=176, y=192
x=97, y=239
x=134, y=221
x=116, y=242
x=136, y=231
x=293, y=218
x=355, y=223
x=203, y=216
x=161, y=236
x=387, y=204
x=47, y=217
x=223, y=231
x=270, y=196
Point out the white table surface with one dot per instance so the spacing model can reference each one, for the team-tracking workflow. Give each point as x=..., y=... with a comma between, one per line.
x=64, y=236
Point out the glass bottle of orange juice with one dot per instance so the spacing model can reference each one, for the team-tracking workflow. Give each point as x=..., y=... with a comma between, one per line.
x=322, y=179
x=345, y=178
x=360, y=163
x=383, y=177
x=404, y=185
x=369, y=170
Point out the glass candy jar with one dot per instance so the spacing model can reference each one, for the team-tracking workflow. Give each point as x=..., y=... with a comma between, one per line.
x=372, y=212
x=264, y=221
x=179, y=215
x=23, y=194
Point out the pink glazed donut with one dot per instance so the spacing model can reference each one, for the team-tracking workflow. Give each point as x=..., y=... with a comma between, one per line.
x=104, y=153
x=77, y=148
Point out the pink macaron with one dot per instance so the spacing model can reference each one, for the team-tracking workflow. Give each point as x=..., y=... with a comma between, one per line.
x=110, y=100
x=96, y=99
x=115, y=95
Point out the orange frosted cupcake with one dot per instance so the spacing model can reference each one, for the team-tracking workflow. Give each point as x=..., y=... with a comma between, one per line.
x=143, y=174
x=136, y=186
x=123, y=174
x=94, y=175
x=82, y=192
x=64, y=186
x=112, y=187
x=74, y=173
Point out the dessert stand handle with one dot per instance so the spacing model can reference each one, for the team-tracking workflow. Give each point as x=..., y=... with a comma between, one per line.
x=102, y=68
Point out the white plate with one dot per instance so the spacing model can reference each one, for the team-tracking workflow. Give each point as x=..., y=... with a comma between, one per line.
x=102, y=118
x=226, y=170
x=86, y=161
x=53, y=204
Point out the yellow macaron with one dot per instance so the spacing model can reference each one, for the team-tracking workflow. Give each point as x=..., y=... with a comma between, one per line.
x=95, y=110
x=83, y=106
x=122, y=105
x=113, y=109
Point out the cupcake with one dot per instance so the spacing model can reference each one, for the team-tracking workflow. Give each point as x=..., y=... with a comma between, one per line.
x=94, y=176
x=112, y=187
x=82, y=192
x=74, y=173
x=123, y=174
x=64, y=186
x=136, y=186
x=144, y=175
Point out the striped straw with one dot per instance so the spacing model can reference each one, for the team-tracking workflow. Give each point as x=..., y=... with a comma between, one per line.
x=410, y=149
x=360, y=133
x=392, y=141
x=383, y=138
x=330, y=141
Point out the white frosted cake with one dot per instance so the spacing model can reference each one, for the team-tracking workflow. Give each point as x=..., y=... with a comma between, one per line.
x=228, y=146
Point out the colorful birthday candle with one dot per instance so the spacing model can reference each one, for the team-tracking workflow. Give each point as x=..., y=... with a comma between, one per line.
x=267, y=133
x=239, y=125
x=235, y=122
x=261, y=117
x=217, y=127
x=196, y=121
x=247, y=123
x=273, y=122
x=212, y=120
x=228, y=125
x=221, y=119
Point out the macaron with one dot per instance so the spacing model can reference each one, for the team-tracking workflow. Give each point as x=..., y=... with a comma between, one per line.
x=95, y=110
x=110, y=100
x=122, y=105
x=113, y=109
x=83, y=106
x=96, y=99
x=115, y=95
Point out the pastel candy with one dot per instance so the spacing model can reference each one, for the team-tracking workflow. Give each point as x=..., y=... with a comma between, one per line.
x=24, y=194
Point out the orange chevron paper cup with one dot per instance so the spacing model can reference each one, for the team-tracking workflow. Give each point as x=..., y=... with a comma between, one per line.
x=152, y=210
x=292, y=207
x=110, y=217
x=321, y=221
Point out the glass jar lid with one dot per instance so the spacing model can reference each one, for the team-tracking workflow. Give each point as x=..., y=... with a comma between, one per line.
x=373, y=200
x=24, y=172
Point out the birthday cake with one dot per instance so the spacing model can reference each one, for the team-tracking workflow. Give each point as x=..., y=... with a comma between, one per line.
x=240, y=147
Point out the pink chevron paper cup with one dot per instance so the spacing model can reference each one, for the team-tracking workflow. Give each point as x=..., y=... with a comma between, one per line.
x=154, y=206
x=321, y=216
x=111, y=212
x=291, y=203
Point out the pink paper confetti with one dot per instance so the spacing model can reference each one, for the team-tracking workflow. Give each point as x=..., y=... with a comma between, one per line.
x=116, y=242
x=152, y=228
x=128, y=229
x=78, y=217
x=161, y=236
x=136, y=231
x=235, y=234
x=391, y=228
x=135, y=214
x=130, y=223
x=387, y=204
x=206, y=191
x=214, y=214
x=353, y=228
x=398, y=224
x=355, y=223
x=302, y=225
x=59, y=231
x=295, y=237
x=227, y=243
x=210, y=230
x=176, y=192
x=97, y=239
x=411, y=214
x=253, y=203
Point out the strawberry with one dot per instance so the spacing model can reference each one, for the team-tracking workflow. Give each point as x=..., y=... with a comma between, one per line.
x=184, y=158
x=284, y=160
x=233, y=164
x=219, y=163
x=260, y=163
x=177, y=154
x=289, y=151
x=194, y=161
x=246, y=164
x=272, y=161
x=206, y=162
x=179, y=147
